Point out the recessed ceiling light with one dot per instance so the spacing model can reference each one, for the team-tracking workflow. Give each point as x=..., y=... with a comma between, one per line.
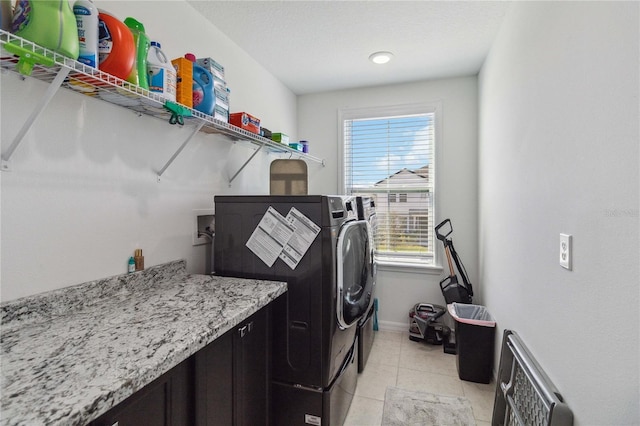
x=380, y=57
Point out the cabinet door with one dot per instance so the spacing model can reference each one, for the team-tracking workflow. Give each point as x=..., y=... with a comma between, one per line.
x=164, y=402
x=214, y=383
x=181, y=392
x=251, y=373
x=147, y=406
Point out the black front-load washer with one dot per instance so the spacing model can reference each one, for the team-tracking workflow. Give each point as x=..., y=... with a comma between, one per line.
x=314, y=347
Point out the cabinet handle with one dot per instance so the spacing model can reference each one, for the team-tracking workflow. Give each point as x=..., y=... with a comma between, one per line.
x=242, y=331
x=250, y=326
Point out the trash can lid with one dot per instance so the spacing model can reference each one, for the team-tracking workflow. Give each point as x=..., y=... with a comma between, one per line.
x=471, y=314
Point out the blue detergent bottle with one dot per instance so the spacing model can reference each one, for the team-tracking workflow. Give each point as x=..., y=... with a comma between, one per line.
x=204, y=98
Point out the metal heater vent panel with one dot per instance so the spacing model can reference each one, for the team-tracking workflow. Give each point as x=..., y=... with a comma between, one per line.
x=525, y=395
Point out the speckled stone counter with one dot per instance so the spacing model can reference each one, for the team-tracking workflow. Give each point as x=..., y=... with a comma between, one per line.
x=69, y=355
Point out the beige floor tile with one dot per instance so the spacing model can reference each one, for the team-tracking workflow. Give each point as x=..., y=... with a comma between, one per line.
x=408, y=343
x=431, y=358
x=391, y=336
x=479, y=387
x=385, y=352
x=481, y=397
x=429, y=382
x=373, y=381
x=364, y=412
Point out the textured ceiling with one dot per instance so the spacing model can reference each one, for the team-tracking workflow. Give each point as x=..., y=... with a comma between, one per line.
x=316, y=46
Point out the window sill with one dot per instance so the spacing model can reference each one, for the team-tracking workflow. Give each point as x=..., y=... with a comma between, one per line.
x=411, y=267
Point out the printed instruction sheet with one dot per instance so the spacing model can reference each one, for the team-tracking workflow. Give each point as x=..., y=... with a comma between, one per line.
x=301, y=239
x=270, y=236
x=286, y=237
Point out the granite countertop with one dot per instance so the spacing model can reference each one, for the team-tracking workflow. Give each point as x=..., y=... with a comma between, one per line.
x=69, y=355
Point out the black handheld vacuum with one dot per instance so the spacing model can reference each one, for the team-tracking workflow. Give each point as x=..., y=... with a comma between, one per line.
x=425, y=324
x=452, y=289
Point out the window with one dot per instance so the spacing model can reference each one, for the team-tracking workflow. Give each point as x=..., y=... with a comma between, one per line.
x=389, y=153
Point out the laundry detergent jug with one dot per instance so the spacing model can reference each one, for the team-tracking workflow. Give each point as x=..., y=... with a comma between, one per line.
x=87, y=21
x=116, y=47
x=138, y=74
x=161, y=74
x=49, y=23
x=203, y=95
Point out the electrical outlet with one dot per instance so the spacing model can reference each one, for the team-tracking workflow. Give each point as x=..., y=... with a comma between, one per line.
x=203, y=226
x=565, y=251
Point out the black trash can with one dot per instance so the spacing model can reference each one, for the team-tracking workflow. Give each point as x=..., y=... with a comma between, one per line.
x=475, y=337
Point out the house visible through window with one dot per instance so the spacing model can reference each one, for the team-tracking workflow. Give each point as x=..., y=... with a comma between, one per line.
x=389, y=153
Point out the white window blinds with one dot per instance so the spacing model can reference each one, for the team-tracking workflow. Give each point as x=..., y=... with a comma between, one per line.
x=392, y=159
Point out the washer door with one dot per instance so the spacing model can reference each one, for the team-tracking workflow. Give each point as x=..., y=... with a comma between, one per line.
x=355, y=273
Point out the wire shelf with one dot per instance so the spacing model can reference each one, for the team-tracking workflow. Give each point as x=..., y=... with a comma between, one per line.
x=92, y=82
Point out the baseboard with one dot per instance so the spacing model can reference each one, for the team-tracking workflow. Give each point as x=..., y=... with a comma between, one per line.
x=393, y=326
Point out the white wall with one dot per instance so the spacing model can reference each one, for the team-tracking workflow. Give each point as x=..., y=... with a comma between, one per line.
x=399, y=290
x=559, y=132
x=82, y=193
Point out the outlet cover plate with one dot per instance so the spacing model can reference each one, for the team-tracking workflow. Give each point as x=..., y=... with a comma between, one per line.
x=566, y=241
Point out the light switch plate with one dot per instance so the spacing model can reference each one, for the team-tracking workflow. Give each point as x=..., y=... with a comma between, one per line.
x=566, y=241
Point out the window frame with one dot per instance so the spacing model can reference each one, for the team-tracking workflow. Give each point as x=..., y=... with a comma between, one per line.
x=435, y=107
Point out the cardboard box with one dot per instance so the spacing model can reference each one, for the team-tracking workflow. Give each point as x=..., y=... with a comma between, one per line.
x=280, y=137
x=296, y=145
x=184, y=81
x=222, y=98
x=216, y=70
x=220, y=113
x=245, y=121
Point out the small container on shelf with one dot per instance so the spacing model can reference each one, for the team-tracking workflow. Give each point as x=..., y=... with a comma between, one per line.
x=280, y=137
x=184, y=81
x=245, y=121
x=138, y=259
x=265, y=133
x=219, y=113
x=296, y=145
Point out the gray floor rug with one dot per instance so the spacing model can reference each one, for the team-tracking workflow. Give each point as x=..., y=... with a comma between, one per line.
x=407, y=407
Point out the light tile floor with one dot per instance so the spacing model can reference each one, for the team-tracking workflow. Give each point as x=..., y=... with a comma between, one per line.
x=397, y=361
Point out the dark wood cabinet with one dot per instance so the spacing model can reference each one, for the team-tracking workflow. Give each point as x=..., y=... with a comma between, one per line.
x=167, y=401
x=251, y=371
x=214, y=382
x=232, y=376
x=226, y=383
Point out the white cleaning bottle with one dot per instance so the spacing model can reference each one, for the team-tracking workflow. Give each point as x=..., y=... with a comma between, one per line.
x=161, y=73
x=87, y=20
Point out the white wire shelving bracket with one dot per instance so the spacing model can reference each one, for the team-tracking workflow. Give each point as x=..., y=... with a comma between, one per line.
x=29, y=59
